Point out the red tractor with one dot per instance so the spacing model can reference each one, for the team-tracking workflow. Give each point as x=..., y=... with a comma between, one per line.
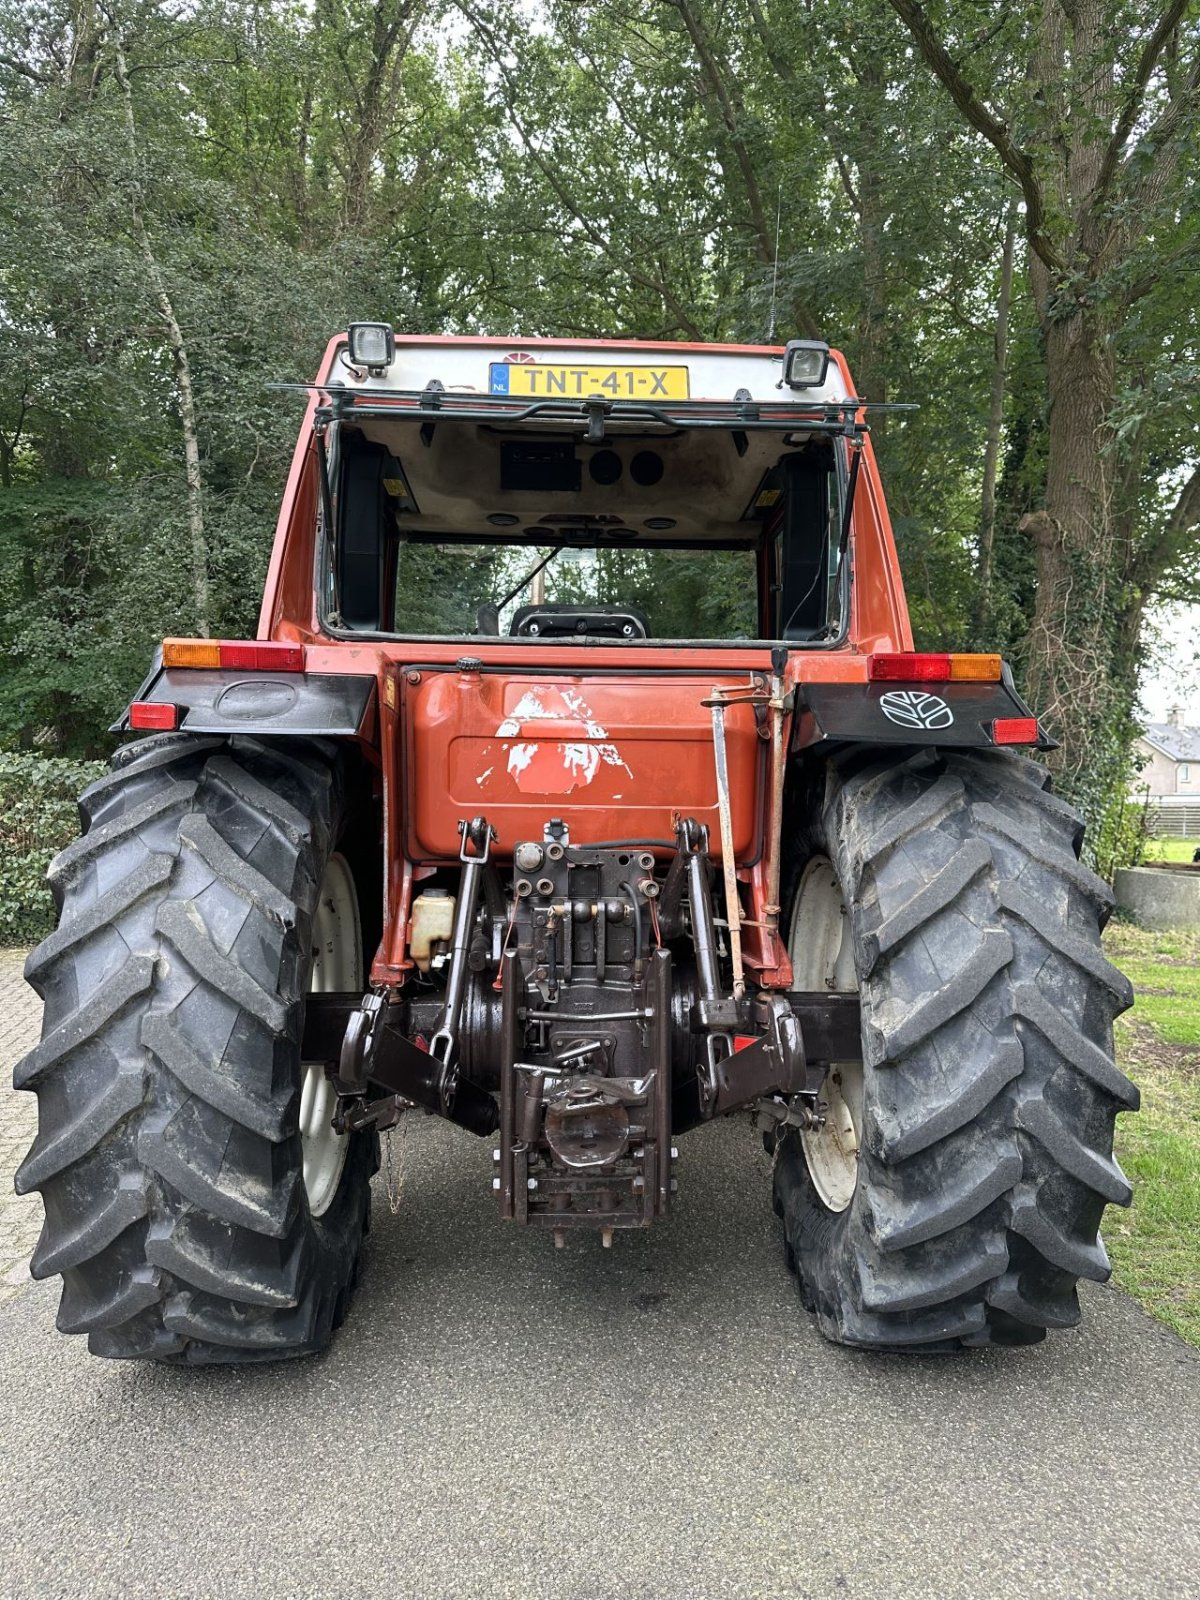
x=582, y=784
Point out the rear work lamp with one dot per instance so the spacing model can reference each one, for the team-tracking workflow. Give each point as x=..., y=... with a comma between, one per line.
x=805, y=363
x=372, y=345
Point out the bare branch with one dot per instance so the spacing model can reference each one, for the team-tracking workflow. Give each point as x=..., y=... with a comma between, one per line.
x=1163, y=268
x=26, y=71
x=996, y=132
x=1136, y=93
x=847, y=181
x=1155, y=559
x=1159, y=136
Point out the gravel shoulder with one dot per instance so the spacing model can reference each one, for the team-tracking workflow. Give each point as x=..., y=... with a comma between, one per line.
x=20, y=1215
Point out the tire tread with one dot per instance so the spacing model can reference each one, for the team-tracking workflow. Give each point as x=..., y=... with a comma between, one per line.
x=167, y=1151
x=991, y=1089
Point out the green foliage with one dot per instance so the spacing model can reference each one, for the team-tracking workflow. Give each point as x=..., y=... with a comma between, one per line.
x=705, y=171
x=1117, y=833
x=439, y=588
x=1153, y=1245
x=38, y=816
x=1118, y=825
x=1159, y=848
x=686, y=594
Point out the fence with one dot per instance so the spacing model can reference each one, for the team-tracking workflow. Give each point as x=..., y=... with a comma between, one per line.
x=1173, y=819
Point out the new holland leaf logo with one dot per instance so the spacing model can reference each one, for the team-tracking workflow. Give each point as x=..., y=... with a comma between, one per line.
x=913, y=708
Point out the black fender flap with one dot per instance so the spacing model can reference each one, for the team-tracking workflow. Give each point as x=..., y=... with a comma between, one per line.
x=221, y=700
x=952, y=715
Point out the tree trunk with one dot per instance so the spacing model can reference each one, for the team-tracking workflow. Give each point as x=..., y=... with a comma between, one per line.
x=722, y=94
x=1072, y=676
x=995, y=427
x=869, y=195
x=389, y=45
x=183, y=371
x=871, y=363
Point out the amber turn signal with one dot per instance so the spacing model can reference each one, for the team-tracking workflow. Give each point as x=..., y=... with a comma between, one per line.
x=191, y=653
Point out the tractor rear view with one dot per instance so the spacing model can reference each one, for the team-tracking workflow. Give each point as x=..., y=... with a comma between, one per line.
x=581, y=786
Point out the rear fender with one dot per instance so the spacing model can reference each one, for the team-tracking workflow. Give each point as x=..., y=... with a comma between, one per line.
x=281, y=704
x=949, y=715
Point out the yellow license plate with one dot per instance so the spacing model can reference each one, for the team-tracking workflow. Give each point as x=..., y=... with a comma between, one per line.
x=551, y=381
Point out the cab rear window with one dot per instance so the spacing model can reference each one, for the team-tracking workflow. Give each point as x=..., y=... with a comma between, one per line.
x=466, y=588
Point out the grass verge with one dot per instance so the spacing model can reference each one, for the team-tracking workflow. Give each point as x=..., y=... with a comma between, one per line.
x=1155, y=1246
x=1171, y=849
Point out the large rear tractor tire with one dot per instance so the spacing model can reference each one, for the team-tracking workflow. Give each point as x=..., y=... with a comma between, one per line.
x=199, y=1206
x=954, y=1194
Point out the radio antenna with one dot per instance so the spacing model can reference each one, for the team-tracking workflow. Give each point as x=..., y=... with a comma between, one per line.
x=775, y=267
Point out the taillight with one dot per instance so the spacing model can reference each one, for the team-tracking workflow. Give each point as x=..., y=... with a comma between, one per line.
x=1015, y=730
x=264, y=657
x=153, y=714
x=913, y=667
x=239, y=656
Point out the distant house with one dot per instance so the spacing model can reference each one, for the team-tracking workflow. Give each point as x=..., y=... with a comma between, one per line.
x=1170, y=755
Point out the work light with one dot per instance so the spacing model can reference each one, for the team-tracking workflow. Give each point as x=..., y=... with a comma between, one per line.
x=804, y=363
x=372, y=345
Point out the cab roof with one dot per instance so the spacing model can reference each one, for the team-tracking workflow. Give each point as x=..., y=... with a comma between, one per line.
x=598, y=440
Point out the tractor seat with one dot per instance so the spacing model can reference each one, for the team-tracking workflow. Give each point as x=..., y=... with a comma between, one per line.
x=555, y=620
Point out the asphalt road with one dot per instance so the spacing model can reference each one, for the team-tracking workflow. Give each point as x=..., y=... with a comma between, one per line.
x=660, y=1420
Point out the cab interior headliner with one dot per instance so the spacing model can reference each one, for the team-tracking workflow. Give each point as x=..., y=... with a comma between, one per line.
x=710, y=480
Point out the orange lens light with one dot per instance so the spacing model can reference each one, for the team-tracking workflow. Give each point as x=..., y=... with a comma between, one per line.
x=980, y=669
x=191, y=653
x=913, y=667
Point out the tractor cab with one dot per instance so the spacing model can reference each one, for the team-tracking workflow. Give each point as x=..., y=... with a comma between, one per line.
x=662, y=493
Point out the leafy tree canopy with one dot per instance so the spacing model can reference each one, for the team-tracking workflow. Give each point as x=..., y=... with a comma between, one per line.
x=992, y=210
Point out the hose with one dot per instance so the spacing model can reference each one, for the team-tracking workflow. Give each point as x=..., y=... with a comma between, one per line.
x=637, y=926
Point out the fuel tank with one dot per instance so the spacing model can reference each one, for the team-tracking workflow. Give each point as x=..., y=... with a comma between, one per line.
x=616, y=756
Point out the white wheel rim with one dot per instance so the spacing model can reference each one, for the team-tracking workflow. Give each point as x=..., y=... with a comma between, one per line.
x=822, y=955
x=337, y=964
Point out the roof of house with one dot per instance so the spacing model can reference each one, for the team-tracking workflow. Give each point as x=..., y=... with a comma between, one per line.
x=1180, y=744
